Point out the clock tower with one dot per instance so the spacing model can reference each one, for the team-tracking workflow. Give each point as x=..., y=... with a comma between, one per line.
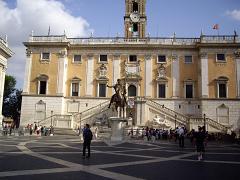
x=135, y=18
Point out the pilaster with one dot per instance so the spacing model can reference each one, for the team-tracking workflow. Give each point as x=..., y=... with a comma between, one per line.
x=89, y=78
x=204, y=75
x=116, y=68
x=175, y=76
x=62, y=72
x=27, y=74
x=148, y=76
x=237, y=59
x=140, y=111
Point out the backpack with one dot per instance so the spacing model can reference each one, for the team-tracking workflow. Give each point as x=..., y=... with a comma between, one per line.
x=88, y=135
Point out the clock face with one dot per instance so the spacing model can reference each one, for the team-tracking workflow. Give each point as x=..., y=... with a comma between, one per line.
x=135, y=17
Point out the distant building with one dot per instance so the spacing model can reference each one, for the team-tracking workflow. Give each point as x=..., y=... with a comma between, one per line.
x=175, y=79
x=5, y=54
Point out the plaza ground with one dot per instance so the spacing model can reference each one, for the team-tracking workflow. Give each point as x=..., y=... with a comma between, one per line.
x=59, y=157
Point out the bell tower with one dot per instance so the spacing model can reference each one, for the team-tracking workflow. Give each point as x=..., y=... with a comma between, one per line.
x=135, y=18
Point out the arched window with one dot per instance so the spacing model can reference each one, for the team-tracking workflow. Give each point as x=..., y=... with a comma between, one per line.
x=132, y=90
x=40, y=111
x=222, y=90
x=42, y=84
x=135, y=7
x=75, y=86
x=223, y=114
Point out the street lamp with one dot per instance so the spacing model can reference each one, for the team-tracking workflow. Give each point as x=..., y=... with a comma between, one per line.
x=80, y=126
x=51, y=117
x=175, y=121
x=204, y=121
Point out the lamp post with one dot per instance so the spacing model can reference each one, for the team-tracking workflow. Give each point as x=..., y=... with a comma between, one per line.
x=51, y=117
x=80, y=126
x=175, y=121
x=204, y=121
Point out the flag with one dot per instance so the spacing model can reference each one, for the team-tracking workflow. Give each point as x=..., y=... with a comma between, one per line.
x=215, y=26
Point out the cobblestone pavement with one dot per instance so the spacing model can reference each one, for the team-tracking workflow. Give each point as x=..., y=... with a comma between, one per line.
x=59, y=157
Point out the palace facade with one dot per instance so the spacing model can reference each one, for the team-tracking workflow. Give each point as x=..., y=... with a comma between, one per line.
x=5, y=54
x=170, y=81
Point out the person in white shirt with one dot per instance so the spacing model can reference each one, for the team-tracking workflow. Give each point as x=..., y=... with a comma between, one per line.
x=181, y=136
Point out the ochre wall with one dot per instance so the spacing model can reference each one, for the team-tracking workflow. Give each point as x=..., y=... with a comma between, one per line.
x=216, y=69
x=48, y=68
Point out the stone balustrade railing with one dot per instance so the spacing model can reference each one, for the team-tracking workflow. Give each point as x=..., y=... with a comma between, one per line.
x=150, y=40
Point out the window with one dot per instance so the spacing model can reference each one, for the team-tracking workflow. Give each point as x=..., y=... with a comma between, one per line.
x=77, y=58
x=135, y=7
x=135, y=27
x=132, y=90
x=188, y=59
x=132, y=58
x=102, y=90
x=189, y=90
x=222, y=90
x=161, y=90
x=103, y=58
x=42, y=84
x=45, y=56
x=220, y=58
x=161, y=59
x=222, y=86
x=42, y=87
x=75, y=89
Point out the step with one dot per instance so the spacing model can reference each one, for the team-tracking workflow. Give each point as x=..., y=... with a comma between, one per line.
x=65, y=131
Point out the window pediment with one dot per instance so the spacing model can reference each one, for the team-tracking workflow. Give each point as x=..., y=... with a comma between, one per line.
x=222, y=79
x=76, y=79
x=42, y=77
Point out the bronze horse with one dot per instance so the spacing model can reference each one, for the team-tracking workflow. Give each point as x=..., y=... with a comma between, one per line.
x=119, y=98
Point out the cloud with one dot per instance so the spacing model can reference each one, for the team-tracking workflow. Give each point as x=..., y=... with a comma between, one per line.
x=235, y=14
x=29, y=15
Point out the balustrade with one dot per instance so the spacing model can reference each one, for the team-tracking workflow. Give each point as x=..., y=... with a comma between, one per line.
x=122, y=40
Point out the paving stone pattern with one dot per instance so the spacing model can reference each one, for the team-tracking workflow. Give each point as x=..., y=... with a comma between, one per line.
x=60, y=158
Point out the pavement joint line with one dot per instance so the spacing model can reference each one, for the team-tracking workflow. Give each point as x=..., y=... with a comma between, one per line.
x=67, y=146
x=94, y=169
x=73, y=166
x=130, y=155
x=210, y=161
x=34, y=172
x=112, y=165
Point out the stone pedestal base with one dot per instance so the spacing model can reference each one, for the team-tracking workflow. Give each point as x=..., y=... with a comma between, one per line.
x=117, y=126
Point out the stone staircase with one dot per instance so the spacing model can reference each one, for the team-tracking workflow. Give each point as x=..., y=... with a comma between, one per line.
x=65, y=131
x=92, y=115
x=171, y=115
x=167, y=113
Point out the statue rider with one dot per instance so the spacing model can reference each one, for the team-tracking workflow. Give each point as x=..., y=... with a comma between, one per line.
x=119, y=88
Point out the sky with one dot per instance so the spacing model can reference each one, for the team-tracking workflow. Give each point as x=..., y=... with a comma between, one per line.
x=104, y=18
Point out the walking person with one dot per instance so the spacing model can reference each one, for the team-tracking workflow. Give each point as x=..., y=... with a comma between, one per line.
x=181, y=137
x=87, y=137
x=199, y=140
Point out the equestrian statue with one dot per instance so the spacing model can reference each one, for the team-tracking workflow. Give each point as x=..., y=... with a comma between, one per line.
x=119, y=98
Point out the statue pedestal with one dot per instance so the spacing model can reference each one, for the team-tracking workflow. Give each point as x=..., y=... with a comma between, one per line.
x=117, y=126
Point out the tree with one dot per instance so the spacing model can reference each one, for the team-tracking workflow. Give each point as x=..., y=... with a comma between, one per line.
x=12, y=100
x=9, y=87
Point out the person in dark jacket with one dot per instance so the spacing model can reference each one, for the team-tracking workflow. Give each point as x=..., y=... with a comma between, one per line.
x=87, y=137
x=200, y=137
